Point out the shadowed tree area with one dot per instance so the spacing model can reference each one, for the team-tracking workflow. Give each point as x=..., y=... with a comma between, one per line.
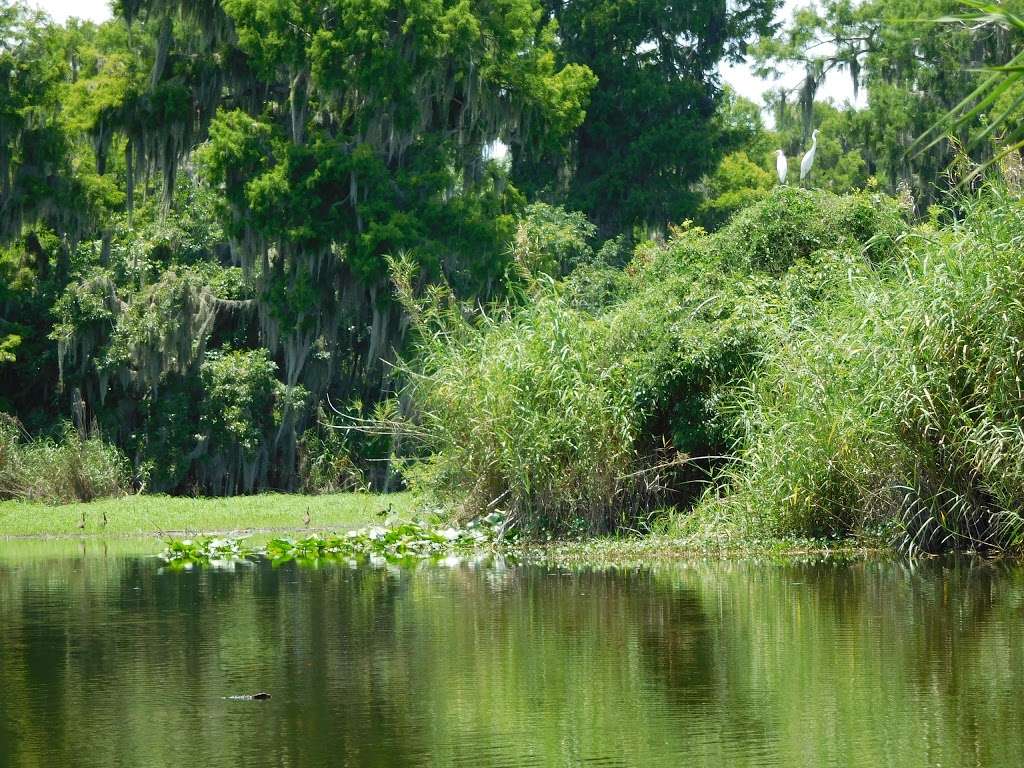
x=651, y=129
x=198, y=199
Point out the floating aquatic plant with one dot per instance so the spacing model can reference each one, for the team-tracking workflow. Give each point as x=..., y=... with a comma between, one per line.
x=414, y=539
x=210, y=551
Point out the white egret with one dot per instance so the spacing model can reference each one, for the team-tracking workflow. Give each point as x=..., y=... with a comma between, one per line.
x=781, y=165
x=808, y=161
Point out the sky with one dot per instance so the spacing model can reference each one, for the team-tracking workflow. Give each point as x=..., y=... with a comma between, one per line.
x=837, y=88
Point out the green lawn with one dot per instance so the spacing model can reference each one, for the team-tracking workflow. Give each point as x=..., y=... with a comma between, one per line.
x=146, y=515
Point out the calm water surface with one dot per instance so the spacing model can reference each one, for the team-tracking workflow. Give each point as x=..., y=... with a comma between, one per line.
x=107, y=661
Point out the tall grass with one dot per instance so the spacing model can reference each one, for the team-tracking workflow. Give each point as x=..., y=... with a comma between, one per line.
x=73, y=468
x=816, y=368
x=901, y=408
x=599, y=398
x=533, y=413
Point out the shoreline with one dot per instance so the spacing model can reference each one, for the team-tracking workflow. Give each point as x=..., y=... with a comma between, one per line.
x=163, y=535
x=656, y=549
x=264, y=516
x=161, y=516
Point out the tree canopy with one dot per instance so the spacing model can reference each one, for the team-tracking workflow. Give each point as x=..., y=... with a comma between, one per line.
x=914, y=68
x=651, y=128
x=202, y=201
x=230, y=175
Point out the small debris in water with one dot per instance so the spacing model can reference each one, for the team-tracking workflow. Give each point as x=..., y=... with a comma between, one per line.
x=261, y=696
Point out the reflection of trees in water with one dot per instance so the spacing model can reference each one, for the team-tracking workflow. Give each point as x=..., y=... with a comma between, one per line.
x=108, y=658
x=922, y=659
x=722, y=662
x=338, y=630
x=967, y=652
x=574, y=666
x=46, y=608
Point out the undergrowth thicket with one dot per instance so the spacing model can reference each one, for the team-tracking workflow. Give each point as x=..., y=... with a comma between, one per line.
x=817, y=368
x=600, y=398
x=72, y=468
x=900, y=409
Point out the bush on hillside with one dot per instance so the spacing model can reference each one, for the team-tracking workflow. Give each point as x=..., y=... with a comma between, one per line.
x=792, y=224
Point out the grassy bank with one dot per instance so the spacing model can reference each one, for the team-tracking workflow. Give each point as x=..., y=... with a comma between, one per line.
x=153, y=515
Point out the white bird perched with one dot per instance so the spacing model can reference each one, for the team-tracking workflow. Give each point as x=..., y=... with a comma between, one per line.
x=808, y=161
x=781, y=165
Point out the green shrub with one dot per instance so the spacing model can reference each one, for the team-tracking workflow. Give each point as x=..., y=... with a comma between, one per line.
x=737, y=183
x=601, y=399
x=791, y=224
x=244, y=410
x=900, y=408
x=327, y=459
x=529, y=412
x=552, y=240
x=73, y=468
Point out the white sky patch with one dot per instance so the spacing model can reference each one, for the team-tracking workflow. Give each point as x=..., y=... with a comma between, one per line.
x=837, y=88
x=87, y=10
x=496, y=150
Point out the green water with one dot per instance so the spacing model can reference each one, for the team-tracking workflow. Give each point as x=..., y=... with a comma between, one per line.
x=107, y=661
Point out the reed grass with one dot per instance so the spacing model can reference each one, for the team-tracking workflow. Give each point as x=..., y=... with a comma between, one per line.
x=900, y=410
x=575, y=415
x=71, y=468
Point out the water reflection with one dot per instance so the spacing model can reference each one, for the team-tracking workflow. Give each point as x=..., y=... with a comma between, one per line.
x=106, y=661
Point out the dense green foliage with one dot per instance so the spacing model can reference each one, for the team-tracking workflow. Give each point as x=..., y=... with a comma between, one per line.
x=900, y=407
x=651, y=129
x=930, y=119
x=843, y=160
x=816, y=368
x=73, y=468
x=207, y=207
x=997, y=97
x=600, y=399
x=199, y=199
x=913, y=70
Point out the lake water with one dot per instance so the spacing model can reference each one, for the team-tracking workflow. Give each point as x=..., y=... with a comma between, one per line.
x=107, y=661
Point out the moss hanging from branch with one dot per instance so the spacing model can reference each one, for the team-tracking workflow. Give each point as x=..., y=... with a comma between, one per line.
x=332, y=136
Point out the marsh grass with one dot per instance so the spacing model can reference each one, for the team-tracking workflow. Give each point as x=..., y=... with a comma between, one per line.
x=529, y=413
x=578, y=410
x=900, y=410
x=71, y=468
x=815, y=370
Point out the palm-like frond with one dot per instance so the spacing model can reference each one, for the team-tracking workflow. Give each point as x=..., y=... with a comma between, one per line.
x=998, y=82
